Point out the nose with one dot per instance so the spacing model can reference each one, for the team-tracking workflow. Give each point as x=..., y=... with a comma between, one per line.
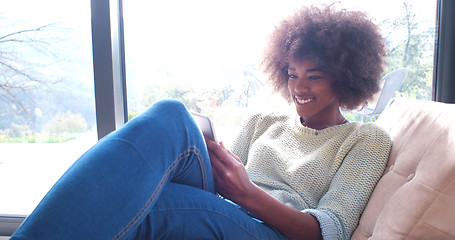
x=301, y=85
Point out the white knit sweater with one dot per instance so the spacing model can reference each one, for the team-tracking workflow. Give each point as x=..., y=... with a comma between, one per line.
x=327, y=173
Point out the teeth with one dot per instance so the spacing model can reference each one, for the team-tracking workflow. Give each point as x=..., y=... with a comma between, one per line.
x=303, y=101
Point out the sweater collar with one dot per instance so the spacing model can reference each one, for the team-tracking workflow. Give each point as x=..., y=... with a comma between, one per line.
x=323, y=132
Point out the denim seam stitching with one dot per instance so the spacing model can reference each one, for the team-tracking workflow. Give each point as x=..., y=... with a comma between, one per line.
x=160, y=186
x=202, y=166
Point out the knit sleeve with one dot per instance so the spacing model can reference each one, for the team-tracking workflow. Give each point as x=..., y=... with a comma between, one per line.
x=241, y=144
x=366, y=154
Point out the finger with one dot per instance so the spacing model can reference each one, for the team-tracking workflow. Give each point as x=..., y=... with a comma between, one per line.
x=224, y=155
x=215, y=161
x=218, y=151
x=212, y=150
x=216, y=173
x=234, y=156
x=209, y=142
x=231, y=155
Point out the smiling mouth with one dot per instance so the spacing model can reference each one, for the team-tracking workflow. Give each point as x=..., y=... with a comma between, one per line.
x=303, y=101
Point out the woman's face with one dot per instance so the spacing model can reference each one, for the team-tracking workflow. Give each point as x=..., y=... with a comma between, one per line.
x=312, y=93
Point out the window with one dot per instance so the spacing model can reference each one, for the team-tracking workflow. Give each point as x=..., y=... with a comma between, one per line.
x=208, y=53
x=46, y=97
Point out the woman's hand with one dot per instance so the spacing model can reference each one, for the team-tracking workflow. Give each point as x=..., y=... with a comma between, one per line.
x=231, y=178
x=231, y=181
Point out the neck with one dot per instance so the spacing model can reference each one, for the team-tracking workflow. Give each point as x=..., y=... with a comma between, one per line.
x=339, y=119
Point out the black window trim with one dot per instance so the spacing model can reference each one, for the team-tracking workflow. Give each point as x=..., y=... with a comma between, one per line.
x=444, y=53
x=109, y=65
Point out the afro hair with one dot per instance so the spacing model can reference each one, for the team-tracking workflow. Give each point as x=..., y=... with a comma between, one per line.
x=346, y=45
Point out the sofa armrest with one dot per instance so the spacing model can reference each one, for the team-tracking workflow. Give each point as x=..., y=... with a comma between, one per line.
x=415, y=198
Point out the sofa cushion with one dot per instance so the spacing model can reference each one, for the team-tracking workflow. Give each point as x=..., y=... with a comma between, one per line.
x=415, y=198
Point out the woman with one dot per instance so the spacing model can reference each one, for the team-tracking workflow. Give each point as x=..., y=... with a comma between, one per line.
x=306, y=175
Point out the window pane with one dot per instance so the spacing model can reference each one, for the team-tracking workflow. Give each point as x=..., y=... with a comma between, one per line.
x=47, y=112
x=208, y=53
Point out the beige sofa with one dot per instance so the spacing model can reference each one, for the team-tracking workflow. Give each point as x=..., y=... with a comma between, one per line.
x=415, y=198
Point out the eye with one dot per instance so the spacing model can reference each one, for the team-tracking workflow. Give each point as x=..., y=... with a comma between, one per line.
x=314, y=77
x=291, y=75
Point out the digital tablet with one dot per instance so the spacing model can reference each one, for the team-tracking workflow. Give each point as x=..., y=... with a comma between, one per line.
x=205, y=124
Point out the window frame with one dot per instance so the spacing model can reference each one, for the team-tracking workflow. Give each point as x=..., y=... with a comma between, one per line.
x=444, y=53
x=109, y=65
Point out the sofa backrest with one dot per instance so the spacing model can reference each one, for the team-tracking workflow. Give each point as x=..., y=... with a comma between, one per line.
x=415, y=198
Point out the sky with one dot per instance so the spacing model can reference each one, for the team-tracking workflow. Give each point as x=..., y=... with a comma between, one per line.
x=242, y=26
x=231, y=32
x=235, y=13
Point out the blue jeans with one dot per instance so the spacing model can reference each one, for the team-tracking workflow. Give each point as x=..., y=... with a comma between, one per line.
x=151, y=179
